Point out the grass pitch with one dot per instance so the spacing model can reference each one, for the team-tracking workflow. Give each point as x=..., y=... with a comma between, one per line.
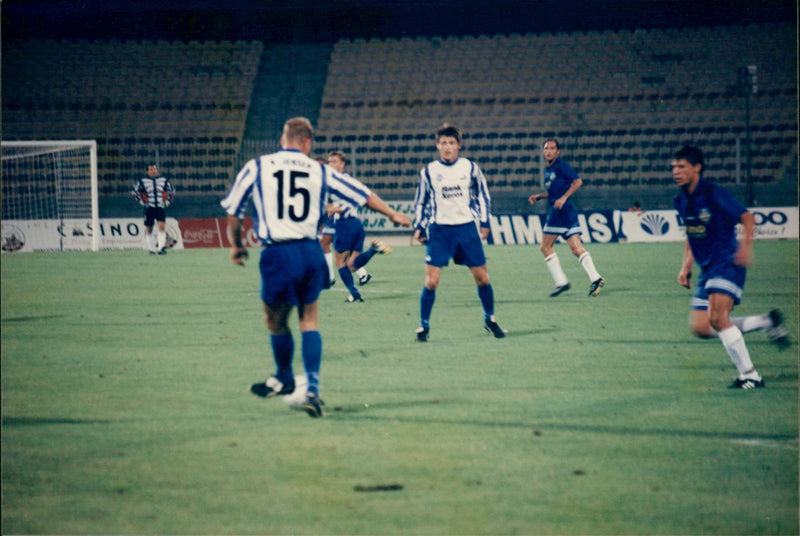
x=125, y=406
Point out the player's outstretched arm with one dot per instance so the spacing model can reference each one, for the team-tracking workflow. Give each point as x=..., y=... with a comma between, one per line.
x=376, y=203
x=238, y=251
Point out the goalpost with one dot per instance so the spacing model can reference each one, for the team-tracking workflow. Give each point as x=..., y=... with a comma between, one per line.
x=50, y=198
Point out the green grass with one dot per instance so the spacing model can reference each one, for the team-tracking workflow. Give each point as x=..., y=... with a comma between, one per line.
x=125, y=406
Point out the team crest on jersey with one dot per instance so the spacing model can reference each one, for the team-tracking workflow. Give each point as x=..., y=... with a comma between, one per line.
x=704, y=215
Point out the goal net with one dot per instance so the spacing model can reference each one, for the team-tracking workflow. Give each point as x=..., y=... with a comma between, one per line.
x=50, y=199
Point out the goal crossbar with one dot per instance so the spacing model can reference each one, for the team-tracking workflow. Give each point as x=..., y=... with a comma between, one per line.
x=53, y=146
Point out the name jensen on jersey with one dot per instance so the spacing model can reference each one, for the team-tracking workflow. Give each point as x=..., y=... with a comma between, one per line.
x=299, y=163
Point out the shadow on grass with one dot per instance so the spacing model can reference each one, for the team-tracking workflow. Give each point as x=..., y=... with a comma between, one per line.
x=370, y=413
x=44, y=421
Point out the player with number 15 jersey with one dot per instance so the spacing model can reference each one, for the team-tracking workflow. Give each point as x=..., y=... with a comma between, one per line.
x=290, y=193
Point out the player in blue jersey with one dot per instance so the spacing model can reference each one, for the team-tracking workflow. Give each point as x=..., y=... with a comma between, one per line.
x=155, y=193
x=290, y=193
x=710, y=214
x=348, y=240
x=451, y=194
x=561, y=182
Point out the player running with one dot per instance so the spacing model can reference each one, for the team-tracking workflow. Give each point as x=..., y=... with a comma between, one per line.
x=348, y=240
x=290, y=192
x=451, y=194
x=710, y=214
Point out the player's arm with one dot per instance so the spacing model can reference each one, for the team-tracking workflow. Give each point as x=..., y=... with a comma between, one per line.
x=685, y=274
x=238, y=251
x=744, y=254
x=577, y=183
x=379, y=205
x=421, y=200
x=535, y=197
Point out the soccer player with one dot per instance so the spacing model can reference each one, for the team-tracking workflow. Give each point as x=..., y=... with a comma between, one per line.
x=290, y=192
x=710, y=214
x=451, y=194
x=155, y=193
x=348, y=240
x=562, y=181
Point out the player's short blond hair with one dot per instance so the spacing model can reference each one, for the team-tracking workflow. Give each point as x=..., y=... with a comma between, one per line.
x=298, y=129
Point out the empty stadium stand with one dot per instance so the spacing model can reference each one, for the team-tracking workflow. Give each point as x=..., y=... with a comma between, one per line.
x=620, y=102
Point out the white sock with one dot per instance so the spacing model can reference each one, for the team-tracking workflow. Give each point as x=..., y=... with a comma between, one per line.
x=162, y=240
x=553, y=264
x=733, y=341
x=746, y=324
x=150, y=240
x=361, y=272
x=588, y=265
x=331, y=269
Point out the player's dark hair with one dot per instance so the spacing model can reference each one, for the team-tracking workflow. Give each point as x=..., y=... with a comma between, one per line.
x=340, y=154
x=691, y=154
x=451, y=131
x=558, y=145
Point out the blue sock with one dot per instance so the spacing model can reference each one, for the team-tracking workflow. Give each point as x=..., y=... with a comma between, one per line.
x=486, y=294
x=283, y=351
x=426, y=299
x=364, y=258
x=347, y=279
x=312, y=358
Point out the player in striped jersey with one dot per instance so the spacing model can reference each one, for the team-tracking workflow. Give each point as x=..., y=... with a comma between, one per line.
x=155, y=193
x=451, y=194
x=348, y=241
x=290, y=192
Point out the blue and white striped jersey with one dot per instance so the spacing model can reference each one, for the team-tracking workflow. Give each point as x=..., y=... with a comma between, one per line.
x=348, y=211
x=290, y=192
x=451, y=194
x=155, y=193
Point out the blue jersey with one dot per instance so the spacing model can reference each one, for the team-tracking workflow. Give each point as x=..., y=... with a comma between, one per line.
x=451, y=193
x=558, y=177
x=710, y=214
x=290, y=192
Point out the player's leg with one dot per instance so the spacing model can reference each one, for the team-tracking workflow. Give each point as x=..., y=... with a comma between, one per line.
x=358, y=259
x=426, y=300
x=553, y=264
x=312, y=355
x=149, y=221
x=344, y=246
x=325, y=241
x=486, y=294
x=585, y=258
x=308, y=313
x=282, y=382
x=343, y=267
x=161, y=242
x=719, y=308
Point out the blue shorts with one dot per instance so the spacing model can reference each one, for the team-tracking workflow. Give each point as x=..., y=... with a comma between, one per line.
x=328, y=226
x=293, y=273
x=562, y=222
x=462, y=243
x=724, y=278
x=350, y=235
